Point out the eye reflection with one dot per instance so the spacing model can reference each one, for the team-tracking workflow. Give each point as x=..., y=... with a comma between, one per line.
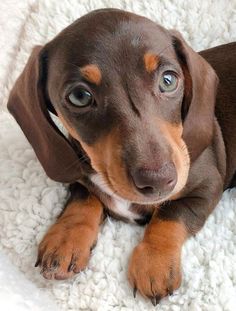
x=168, y=82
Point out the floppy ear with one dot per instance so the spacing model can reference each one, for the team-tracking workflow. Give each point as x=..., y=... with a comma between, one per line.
x=198, y=106
x=29, y=106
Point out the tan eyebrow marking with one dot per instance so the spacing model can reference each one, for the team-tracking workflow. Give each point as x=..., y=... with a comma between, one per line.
x=151, y=61
x=91, y=73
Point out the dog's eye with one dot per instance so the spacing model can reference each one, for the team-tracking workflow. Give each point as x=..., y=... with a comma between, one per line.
x=168, y=82
x=80, y=97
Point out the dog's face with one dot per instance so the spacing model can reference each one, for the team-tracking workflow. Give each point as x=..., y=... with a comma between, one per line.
x=118, y=89
x=122, y=87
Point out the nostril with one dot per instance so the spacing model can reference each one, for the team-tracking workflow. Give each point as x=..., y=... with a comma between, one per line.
x=170, y=182
x=146, y=190
x=143, y=180
x=161, y=180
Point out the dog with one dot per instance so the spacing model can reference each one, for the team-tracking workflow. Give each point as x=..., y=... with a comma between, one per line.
x=152, y=139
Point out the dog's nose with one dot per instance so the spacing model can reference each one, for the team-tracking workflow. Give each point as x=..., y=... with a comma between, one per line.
x=149, y=181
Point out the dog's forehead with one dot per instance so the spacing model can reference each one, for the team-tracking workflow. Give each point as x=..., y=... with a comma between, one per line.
x=107, y=37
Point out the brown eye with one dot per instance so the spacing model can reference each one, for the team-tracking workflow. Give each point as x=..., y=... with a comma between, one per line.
x=168, y=82
x=80, y=97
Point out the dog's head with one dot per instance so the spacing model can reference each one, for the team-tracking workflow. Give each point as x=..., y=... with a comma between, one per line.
x=135, y=96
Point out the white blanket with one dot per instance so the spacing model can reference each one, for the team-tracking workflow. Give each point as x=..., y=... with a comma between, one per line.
x=29, y=201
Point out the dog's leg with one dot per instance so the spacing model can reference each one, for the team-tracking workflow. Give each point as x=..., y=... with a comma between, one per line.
x=66, y=247
x=155, y=265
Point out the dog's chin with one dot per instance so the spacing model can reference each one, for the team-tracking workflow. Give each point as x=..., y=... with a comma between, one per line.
x=155, y=200
x=136, y=198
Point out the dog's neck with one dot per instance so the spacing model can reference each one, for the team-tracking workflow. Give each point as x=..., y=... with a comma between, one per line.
x=117, y=206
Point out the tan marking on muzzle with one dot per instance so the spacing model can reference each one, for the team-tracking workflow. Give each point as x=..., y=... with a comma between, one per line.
x=92, y=73
x=180, y=156
x=106, y=159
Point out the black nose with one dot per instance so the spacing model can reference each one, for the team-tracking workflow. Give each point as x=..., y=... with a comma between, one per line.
x=149, y=181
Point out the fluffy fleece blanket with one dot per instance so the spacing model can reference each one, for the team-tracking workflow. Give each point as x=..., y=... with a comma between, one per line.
x=29, y=201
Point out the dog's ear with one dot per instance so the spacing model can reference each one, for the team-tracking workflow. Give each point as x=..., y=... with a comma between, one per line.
x=29, y=105
x=200, y=83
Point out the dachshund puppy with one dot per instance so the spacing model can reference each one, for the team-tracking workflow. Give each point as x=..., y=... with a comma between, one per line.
x=151, y=139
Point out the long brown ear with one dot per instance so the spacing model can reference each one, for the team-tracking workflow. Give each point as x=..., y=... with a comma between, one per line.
x=29, y=106
x=198, y=107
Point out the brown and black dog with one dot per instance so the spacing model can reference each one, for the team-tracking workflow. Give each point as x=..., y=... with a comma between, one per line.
x=152, y=138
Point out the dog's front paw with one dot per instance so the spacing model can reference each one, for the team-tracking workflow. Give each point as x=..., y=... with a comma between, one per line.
x=154, y=271
x=65, y=250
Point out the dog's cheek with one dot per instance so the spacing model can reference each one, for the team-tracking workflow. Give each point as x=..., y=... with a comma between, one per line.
x=106, y=158
x=180, y=156
x=104, y=154
x=109, y=151
x=182, y=165
x=94, y=152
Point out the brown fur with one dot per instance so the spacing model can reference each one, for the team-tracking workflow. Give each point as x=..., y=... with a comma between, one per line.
x=106, y=159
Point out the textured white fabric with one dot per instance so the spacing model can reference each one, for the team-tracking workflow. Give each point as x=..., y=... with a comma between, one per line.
x=29, y=201
x=19, y=294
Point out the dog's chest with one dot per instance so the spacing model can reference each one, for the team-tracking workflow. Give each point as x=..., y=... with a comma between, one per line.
x=113, y=202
